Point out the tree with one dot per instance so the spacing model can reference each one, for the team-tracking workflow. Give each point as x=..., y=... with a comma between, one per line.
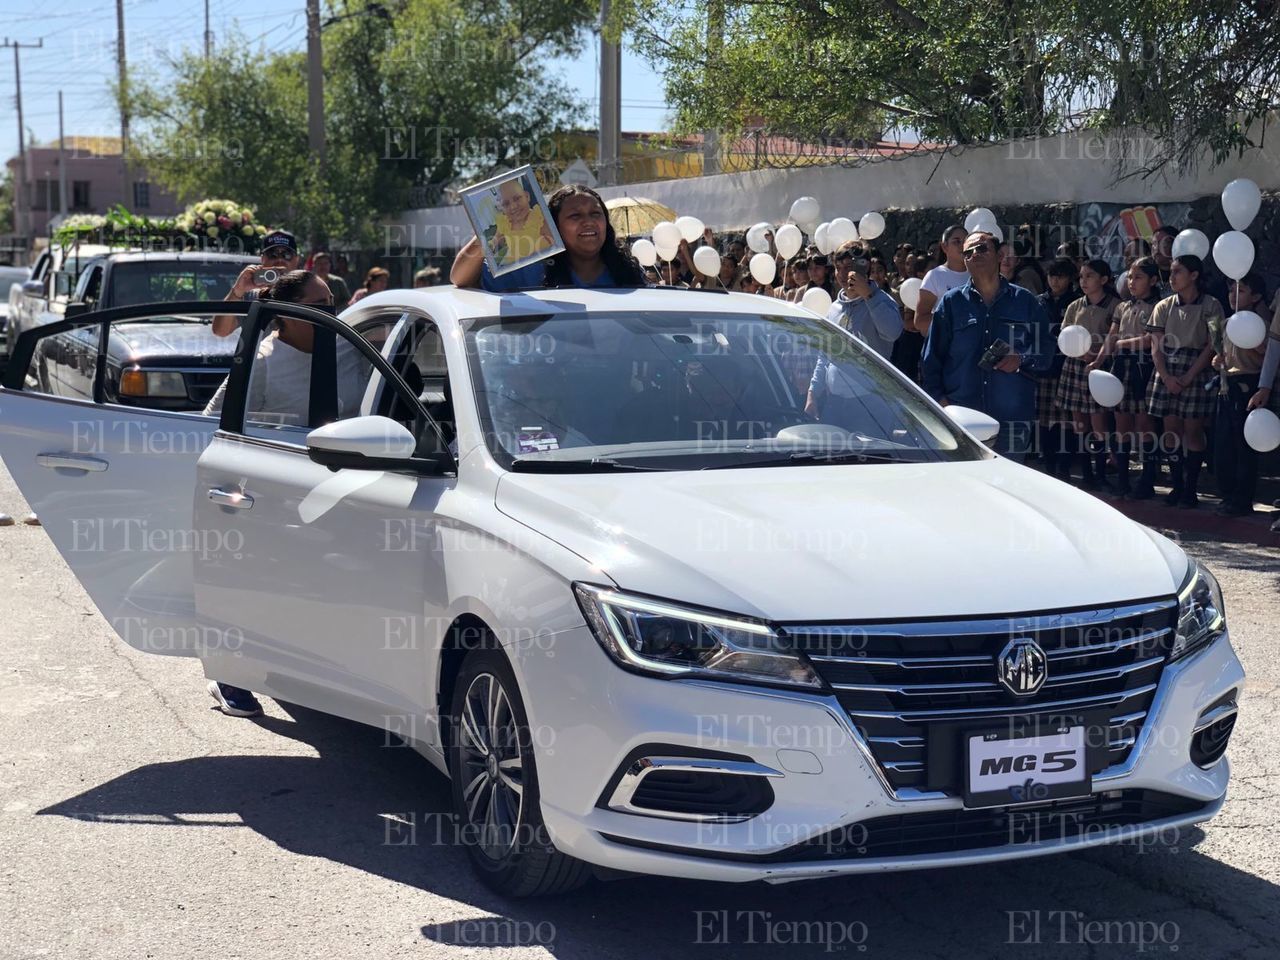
x=6, y=203
x=417, y=92
x=1195, y=78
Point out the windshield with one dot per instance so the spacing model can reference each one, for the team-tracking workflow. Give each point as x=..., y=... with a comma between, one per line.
x=679, y=391
x=160, y=281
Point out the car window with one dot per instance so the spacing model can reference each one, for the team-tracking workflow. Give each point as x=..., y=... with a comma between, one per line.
x=153, y=360
x=296, y=383
x=685, y=391
x=159, y=281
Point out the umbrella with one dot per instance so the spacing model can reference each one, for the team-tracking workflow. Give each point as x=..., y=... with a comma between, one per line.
x=634, y=216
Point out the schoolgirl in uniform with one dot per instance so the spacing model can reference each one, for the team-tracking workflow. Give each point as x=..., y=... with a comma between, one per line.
x=1184, y=329
x=1127, y=353
x=1095, y=311
x=1240, y=378
x=1061, y=293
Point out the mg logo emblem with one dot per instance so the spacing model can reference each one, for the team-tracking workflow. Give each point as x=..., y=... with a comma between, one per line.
x=1022, y=667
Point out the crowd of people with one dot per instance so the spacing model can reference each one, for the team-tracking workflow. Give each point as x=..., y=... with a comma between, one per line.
x=1157, y=324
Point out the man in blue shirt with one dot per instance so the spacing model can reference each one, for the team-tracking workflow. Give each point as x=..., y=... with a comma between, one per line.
x=970, y=319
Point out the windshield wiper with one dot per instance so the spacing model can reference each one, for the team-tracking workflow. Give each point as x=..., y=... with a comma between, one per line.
x=594, y=465
x=804, y=458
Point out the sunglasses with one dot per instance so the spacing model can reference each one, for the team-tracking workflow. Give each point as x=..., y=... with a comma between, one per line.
x=977, y=250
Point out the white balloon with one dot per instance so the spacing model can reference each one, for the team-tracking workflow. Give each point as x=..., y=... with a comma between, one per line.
x=1075, y=340
x=993, y=228
x=666, y=234
x=870, y=226
x=1246, y=329
x=763, y=268
x=840, y=231
x=910, y=292
x=1191, y=242
x=809, y=227
x=1105, y=387
x=1240, y=202
x=1262, y=430
x=789, y=239
x=757, y=239
x=805, y=210
x=644, y=251
x=707, y=260
x=690, y=227
x=979, y=218
x=817, y=300
x=1233, y=253
x=821, y=240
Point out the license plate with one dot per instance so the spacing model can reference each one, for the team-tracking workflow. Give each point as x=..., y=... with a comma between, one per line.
x=1002, y=769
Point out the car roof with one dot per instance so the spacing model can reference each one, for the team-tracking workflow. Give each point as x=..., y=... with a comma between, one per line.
x=174, y=256
x=449, y=302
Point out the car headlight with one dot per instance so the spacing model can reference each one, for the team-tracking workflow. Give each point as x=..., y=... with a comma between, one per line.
x=666, y=640
x=1201, y=616
x=141, y=383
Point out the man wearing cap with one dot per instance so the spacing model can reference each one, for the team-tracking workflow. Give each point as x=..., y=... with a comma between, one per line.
x=279, y=253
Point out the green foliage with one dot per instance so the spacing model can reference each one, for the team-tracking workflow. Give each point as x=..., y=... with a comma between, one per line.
x=417, y=92
x=6, y=203
x=1193, y=76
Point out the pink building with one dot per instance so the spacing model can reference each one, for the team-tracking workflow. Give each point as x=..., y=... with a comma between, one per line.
x=95, y=180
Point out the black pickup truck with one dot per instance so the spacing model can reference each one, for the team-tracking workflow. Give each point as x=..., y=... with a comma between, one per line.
x=170, y=363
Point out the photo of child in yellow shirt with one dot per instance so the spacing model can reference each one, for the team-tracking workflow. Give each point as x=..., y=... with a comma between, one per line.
x=522, y=229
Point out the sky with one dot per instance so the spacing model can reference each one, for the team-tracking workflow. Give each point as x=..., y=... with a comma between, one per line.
x=79, y=58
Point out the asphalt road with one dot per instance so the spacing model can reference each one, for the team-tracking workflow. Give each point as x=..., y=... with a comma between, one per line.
x=137, y=822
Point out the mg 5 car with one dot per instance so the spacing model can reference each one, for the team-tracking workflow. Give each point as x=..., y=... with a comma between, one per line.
x=665, y=582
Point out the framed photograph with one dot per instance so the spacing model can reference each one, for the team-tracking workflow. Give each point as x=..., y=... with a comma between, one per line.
x=512, y=220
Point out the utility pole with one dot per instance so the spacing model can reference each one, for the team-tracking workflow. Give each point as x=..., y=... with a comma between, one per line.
x=609, y=149
x=126, y=198
x=62, y=163
x=20, y=226
x=715, y=49
x=315, y=84
x=208, y=35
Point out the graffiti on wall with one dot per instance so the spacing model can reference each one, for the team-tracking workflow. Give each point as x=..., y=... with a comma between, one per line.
x=1109, y=226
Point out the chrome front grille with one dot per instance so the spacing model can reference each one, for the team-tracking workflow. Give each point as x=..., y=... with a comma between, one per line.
x=914, y=689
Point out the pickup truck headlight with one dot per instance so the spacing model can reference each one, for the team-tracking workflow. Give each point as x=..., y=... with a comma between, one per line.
x=163, y=383
x=1201, y=616
x=666, y=640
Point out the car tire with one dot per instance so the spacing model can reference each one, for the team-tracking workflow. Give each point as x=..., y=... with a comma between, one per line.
x=495, y=785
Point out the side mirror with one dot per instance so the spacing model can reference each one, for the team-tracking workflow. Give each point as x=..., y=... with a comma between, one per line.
x=33, y=288
x=74, y=309
x=984, y=428
x=369, y=443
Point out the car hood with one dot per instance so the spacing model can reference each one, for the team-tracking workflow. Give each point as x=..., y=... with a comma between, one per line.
x=851, y=542
x=161, y=341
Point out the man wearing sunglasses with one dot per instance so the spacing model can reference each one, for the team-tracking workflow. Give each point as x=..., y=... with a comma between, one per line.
x=987, y=342
x=279, y=256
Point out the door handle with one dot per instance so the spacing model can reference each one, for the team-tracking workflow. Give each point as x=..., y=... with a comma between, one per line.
x=71, y=461
x=231, y=498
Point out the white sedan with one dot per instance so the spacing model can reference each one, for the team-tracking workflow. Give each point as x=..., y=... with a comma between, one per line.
x=588, y=552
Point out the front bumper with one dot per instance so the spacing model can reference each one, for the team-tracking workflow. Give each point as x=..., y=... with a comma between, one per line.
x=587, y=721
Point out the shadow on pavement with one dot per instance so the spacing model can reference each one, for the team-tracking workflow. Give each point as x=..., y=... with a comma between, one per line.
x=384, y=810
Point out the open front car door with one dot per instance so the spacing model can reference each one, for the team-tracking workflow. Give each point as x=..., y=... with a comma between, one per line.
x=101, y=426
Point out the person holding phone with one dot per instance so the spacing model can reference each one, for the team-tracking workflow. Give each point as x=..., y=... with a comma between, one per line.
x=279, y=256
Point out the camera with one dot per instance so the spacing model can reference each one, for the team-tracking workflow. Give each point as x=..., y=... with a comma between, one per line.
x=994, y=354
x=267, y=275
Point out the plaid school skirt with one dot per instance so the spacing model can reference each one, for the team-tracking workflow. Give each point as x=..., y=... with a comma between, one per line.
x=1134, y=369
x=1047, y=411
x=1073, y=388
x=1193, y=403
